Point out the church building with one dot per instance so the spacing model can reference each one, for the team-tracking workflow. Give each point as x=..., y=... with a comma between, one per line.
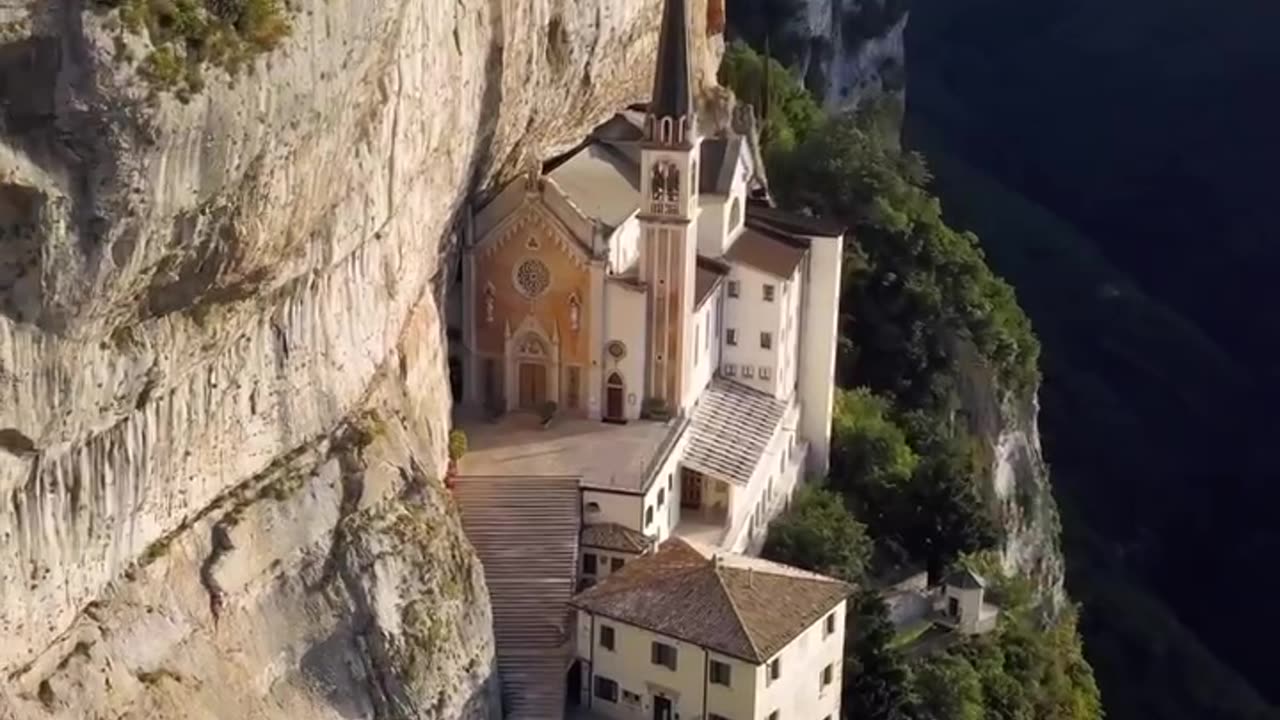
x=636, y=282
x=642, y=351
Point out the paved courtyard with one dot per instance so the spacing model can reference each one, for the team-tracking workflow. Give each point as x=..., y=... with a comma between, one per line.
x=601, y=454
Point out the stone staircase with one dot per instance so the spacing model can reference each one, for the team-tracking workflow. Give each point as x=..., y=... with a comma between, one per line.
x=526, y=530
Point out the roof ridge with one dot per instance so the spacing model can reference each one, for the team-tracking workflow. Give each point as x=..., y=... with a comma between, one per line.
x=737, y=614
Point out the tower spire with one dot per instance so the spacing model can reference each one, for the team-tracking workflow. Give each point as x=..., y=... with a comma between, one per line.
x=672, y=79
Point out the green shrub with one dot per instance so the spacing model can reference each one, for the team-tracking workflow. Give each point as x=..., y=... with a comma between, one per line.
x=817, y=533
x=201, y=33
x=457, y=444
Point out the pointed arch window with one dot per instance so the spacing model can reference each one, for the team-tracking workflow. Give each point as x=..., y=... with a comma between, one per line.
x=489, y=302
x=575, y=312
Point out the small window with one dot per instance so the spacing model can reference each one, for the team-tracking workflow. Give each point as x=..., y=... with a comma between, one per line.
x=829, y=625
x=720, y=673
x=768, y=292
x=588, y=563
x=733, y=288
x=775, y=669
x=615, y=564
x=764, y=372
x=773, y=715
x=828, y=673
x=606, y=637
x=662, y=497
x=766, y=340
x=670, y=482
x=748, y=371
x=631, y=698
x=648, y=516
x=731, y=336
x=664, y=655
x=730, y=370
x=606, y=689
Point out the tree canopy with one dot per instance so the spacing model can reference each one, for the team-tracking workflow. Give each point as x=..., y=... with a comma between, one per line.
x=817, y=533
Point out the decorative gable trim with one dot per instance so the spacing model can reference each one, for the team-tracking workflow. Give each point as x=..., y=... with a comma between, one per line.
x=530, y=215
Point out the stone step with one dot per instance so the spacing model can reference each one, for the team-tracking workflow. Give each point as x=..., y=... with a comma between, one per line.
x=526, y=531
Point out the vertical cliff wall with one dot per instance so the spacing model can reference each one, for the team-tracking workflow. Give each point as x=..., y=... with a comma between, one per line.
x=223, y=400
x=847, y=51
x=1017, y=481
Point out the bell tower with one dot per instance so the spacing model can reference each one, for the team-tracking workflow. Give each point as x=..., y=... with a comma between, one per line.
x=668, y=213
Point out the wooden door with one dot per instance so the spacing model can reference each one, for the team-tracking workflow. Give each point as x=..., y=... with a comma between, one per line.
x=614, y=395
x=661, y=708
x=533, y=385
x=690, y=490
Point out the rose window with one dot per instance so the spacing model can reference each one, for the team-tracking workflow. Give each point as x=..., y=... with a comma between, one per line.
x=533, y=277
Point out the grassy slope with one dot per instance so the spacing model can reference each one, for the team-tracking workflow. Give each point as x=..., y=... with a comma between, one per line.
x=1097, y=327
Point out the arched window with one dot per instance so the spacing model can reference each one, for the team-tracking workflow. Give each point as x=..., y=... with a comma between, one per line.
x=488, y=303
x=735, y=214
x=664, y=187
x=575, y=312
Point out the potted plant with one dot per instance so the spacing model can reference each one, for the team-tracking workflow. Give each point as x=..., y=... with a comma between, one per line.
x=457, y=448
x=547, y=412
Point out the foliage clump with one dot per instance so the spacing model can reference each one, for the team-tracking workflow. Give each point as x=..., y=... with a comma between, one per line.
x=188, y=36
x=908, y=484
x=913, y=284
x=818, y=533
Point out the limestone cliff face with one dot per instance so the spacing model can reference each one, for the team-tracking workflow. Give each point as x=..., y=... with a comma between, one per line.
x=223, y=400
x=1018, y=482
x=847, y=51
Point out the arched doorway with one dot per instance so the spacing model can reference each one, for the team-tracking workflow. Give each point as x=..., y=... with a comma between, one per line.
x=615, y=394
x=531, y=373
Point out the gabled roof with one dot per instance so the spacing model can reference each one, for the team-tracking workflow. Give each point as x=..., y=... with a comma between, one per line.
x=744, y=607
x=706, y=278
x=767, y=251
x=612, y=536
x=673, y=77
x=731, y=428
x=600, y=182
x=966, y=579
x=718, y=160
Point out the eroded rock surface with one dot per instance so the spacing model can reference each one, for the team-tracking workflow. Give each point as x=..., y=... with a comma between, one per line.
x=204, y=300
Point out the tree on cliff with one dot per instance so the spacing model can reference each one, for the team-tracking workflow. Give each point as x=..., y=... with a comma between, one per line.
x=818, y=533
